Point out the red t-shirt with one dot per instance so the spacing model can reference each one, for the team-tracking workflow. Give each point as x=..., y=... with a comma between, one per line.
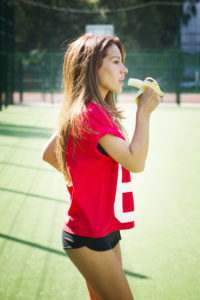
x=101, y=197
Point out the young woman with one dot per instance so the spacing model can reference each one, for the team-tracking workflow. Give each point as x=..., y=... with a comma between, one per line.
x=91, y=150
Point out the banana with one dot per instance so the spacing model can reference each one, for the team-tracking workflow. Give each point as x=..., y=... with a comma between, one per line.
x=142, y=85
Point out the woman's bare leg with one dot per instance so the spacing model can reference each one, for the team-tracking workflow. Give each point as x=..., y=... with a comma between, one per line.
x=103, y=272
x=117, y=251
x=93, y=295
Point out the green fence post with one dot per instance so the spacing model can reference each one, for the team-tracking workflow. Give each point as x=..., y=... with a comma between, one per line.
x=43, y=80
x=52, y=76
x=6, y=52
x=197, y=70
x=7, y=55
x=1, y=80
x=20, y=79
x=12, y=53
x=1, y=52
x=6, y=79
x=178, y=56
x=51, y=52
x=178, y=75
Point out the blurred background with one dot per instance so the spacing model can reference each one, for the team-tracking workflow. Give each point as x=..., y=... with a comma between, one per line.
x=162, y=40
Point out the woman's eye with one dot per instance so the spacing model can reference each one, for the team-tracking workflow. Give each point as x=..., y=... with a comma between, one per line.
x=116, y=61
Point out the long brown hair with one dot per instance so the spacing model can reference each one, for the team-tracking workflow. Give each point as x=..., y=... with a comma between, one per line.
x=80, y=83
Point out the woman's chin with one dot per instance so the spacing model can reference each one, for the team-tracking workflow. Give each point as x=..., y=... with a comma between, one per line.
x=117, y=90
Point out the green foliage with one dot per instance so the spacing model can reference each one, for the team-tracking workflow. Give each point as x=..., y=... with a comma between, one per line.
x=35, y=57
x=147, y=28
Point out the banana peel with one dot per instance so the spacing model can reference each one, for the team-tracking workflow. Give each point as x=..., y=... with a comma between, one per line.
x=149, y=82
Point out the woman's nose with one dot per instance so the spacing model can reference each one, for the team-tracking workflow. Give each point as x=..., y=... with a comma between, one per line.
x=124, y=70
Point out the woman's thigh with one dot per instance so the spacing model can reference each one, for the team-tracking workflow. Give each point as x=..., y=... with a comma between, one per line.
x=117, y=251
x=103, y=271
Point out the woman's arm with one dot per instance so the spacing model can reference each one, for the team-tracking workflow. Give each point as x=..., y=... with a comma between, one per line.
x=133, y=156
x=49, y=153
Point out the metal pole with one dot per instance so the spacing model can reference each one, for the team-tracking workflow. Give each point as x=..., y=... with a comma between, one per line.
x=178, y=57
x=12, y=54
x=51, y=53
x=7, y=50
x=1, y=53
x=197, y=73
x=20, y=79
x=43, y=80
x=116, y=24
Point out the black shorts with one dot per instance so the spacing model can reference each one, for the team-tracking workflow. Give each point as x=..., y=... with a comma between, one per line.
x=71, y=241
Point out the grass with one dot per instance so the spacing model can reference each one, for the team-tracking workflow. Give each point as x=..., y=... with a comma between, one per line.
x=161, y=255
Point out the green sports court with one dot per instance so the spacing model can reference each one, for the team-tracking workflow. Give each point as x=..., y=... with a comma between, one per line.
x=160, y=255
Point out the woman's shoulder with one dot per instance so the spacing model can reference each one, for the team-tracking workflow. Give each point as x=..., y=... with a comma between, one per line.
x=98, y=114
x=94, y=108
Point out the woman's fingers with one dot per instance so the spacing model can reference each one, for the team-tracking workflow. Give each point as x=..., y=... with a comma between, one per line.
x=149, y=100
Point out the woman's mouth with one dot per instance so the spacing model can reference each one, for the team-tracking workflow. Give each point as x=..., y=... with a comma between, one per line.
x=121, y=82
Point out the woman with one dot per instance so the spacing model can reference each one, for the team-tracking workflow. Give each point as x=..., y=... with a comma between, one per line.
x=91, y=151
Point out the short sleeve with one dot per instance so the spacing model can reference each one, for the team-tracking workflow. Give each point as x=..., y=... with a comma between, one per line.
x=101, y=123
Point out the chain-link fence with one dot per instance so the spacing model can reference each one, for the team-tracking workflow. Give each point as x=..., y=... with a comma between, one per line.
x=175, y=72
x=6, y=53
x=157, y=36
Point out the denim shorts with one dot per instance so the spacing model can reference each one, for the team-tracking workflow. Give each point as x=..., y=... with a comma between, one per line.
x=71, y=241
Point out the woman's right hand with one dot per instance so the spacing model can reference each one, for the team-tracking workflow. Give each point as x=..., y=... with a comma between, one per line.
x=148, y=100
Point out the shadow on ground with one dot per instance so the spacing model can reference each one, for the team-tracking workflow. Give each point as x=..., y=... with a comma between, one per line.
x=55, y=251
x=24, y=131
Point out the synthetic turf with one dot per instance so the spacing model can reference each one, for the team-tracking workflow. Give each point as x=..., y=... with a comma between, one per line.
x=161, y=255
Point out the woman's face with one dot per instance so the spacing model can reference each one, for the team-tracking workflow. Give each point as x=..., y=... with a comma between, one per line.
x=112, y=72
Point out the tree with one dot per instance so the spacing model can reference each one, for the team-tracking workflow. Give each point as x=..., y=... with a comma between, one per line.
x=148, y=28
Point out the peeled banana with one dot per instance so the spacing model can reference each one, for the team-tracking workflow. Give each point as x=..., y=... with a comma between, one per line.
x=142, y=85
